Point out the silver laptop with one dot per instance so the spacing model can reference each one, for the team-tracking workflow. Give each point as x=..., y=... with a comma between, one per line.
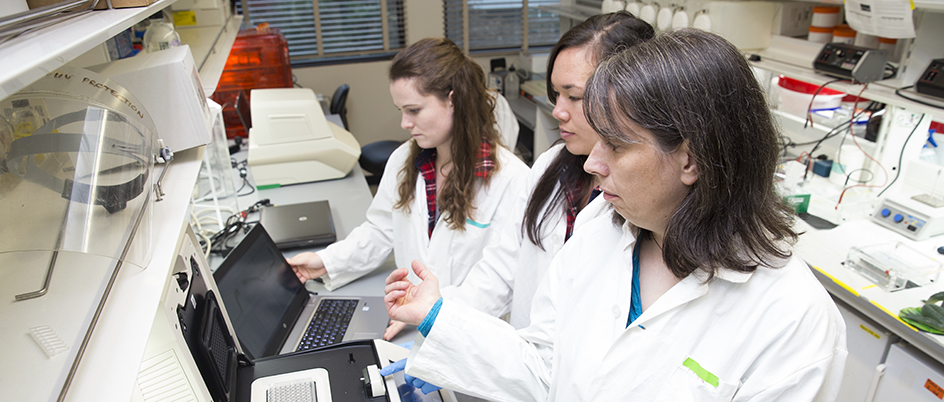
x=307, y=224
x=272, y=312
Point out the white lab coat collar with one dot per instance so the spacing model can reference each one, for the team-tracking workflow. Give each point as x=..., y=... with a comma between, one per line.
x=689, y=288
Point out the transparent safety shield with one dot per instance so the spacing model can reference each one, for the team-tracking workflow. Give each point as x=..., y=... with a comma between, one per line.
x=76, y=160
x=214, y=198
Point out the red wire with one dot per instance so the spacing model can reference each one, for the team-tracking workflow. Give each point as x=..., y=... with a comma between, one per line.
x=856, y=142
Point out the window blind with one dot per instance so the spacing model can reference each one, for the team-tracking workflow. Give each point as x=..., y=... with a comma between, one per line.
x=332, y=28
x=500, y=24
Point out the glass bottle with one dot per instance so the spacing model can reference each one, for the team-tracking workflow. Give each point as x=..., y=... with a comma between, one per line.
x=511, y=84
x=160, y=35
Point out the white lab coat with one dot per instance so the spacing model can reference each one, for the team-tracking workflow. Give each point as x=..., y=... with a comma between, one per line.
x=770, y=335
x=505, y=121
x=450, y=253
x=512, y=267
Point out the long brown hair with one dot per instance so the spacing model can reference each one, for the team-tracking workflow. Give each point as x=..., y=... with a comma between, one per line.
x=438, y=67
x=603, y=35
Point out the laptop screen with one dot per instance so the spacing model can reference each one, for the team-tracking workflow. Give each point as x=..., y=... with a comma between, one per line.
x=261, y=293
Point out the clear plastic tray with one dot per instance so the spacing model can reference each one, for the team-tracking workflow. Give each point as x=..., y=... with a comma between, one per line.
x=894, y=266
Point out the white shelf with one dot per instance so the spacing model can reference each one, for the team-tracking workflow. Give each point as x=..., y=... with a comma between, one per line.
x=210, y=47
x=876, y=91
x=932, y=5
x=929, y=5
x=29, y=57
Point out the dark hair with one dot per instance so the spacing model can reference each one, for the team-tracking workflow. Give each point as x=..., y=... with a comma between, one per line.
x=439, y=68
x=603, y=34
x=691, y=86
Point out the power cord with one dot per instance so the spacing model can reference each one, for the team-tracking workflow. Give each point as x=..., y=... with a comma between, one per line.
x=219, y=241
x=243, y=169
x=898, y=92
x=901, y=155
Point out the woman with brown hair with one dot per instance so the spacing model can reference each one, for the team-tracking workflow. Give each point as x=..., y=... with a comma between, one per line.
x=455, y=184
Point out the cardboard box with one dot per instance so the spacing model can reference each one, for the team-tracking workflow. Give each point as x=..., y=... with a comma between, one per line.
x=102, y=4
x=168, y=84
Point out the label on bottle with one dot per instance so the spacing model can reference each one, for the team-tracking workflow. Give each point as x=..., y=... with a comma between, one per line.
x=168, y=45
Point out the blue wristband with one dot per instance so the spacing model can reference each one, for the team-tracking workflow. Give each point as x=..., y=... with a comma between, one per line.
x=430, y=319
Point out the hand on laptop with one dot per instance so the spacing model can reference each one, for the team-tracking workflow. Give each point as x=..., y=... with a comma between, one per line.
x=307, y=265
x=407, y=302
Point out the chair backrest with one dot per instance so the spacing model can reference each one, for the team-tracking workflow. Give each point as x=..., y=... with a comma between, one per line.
x=339, y=103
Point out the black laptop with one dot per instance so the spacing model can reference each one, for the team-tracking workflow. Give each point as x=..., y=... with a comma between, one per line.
x=307, y=224
x=272, y=312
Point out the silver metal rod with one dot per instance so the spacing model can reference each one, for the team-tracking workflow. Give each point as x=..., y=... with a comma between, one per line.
x=101, y=304
x=52, y=261
x=41, y=12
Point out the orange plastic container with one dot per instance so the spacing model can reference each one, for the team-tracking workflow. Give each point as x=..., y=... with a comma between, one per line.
x=844, y=34
x=258, y=59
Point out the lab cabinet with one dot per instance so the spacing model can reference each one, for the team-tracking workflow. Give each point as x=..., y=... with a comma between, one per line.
x=866, y=342
x=910, y=375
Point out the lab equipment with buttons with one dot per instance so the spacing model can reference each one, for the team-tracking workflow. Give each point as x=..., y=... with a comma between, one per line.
x=910, y=218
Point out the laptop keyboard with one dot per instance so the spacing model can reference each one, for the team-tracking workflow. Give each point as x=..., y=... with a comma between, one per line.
x=329, y=323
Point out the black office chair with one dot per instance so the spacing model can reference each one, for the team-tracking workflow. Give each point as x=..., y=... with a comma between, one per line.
x=339, y=103
x=374, y=155
x=374, y=158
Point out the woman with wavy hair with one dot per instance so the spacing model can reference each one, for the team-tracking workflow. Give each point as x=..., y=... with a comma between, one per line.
x=455, y=184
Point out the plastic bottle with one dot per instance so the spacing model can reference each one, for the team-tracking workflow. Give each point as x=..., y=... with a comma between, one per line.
x=844, y=34
x=825, y=17
x=610, y=6
x=891, y=46
x=820, y=35
x=160, y=35
x=24, y=119
x=511, y=84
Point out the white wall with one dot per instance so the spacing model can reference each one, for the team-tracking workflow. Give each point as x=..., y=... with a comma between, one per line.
x=370, y=111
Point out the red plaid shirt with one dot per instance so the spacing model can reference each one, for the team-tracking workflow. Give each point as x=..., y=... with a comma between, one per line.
x=573, y=205
x=426, y=163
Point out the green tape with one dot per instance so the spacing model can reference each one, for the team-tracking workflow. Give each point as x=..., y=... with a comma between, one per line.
x=800, y=203
x=476, y=224
x=700, y=372
x=268, y=186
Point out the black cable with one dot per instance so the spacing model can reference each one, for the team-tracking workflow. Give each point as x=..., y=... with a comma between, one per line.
x=898, y=92
x=234, y=224
x=849, y=176
x=809, y=109
x=842, y=127
x=889, y=67
x=245, y=183
x=243, y=169
x=902, y=155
